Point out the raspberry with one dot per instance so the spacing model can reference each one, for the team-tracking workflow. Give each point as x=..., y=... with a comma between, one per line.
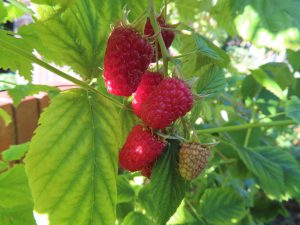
x=167, y=35
x=149, y=82
x=192, y=160
x=146, y=171
x=140, y=150
x=127, y=57
x=169, y=101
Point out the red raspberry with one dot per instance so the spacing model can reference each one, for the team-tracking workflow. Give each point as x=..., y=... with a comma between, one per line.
x=140, y=150
x=127, y=57
x=146, y=171
x=149, y=82
x=169, y=101
x=167, y=35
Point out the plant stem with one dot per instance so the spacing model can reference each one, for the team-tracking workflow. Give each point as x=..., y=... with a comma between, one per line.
x=7, y=82
x=60, y=73
x=156, y=28
x=249, y=131
x=245, y=126
x=183, y=55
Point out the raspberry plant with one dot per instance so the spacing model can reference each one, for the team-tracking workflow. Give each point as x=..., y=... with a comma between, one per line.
x=246, y=118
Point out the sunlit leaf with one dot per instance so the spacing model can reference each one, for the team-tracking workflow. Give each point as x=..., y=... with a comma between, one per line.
x=15, y=152
x=72, y=160
x=5, y=117
x=134, y=218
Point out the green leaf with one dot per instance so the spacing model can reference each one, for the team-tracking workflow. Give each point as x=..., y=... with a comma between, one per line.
x=14, y=190
x=294, y=58
x=134, y=218
x=77, y=36
x=3, y=166
x=5, y=117
x=128, y=120
x=13, y=61
x=15, y=152
x=72, y=160
x=15, y=9
x=268, y=173
x=199, y=52
x=211, y=81
x=16, y=203
x=167, y=188
x=293, y=109
x=264, y=80
x=3, y=11
x=289, y=166
x=221, y=206
x=280, y=73
x=21, y=91
x=270, y=23
x=17, y=216
x=182, y=216
x=125, y=191
x=250, y=88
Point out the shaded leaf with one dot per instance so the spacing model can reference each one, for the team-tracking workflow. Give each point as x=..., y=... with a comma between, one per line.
x=125, y=191
x=293, y=109
x=294, y=58
x=134, y=218
x=166, y=190
x=221, y=206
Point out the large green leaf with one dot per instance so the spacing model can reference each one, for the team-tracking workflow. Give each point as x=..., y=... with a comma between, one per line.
x=135, y=218
x=11, y=60
x=21, y=91
x=72, y=160
x=77, y=36
x=221, y=206
x=14, y=190
x=293, y=109
x=268, y=173
x=289, y=165
x=167, y=188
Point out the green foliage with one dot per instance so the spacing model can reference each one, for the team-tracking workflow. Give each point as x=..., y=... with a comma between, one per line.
x=16, y=203
x=294, y=59
x=222, y=206
x=5, y=117
x=293, y=109
x=15, y=152
x=72, y=164
x=21, y=91
x=167, y=188
x=136, y=218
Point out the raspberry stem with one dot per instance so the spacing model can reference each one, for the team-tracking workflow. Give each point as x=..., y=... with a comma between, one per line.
x=246, y=126
x=156, y=28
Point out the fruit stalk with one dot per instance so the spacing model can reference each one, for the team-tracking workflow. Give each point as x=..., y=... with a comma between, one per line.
x=52, y=69
x=156, y=28
x=246, y=126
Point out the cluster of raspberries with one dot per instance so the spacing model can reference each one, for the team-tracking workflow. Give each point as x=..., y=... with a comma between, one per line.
x=158, y=101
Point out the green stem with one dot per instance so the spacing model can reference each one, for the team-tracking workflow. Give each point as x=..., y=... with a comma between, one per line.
x=156, y=28
x=7, y=82
x=41, y=63
x=183, y=55
x=249, y=131
x=246, y=126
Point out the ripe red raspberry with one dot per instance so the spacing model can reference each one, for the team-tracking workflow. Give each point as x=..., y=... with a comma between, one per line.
x=127, y=57
x=149, y=82
x=167, y=35
x=146, y=171
x=169, y=101
x=140, y=150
